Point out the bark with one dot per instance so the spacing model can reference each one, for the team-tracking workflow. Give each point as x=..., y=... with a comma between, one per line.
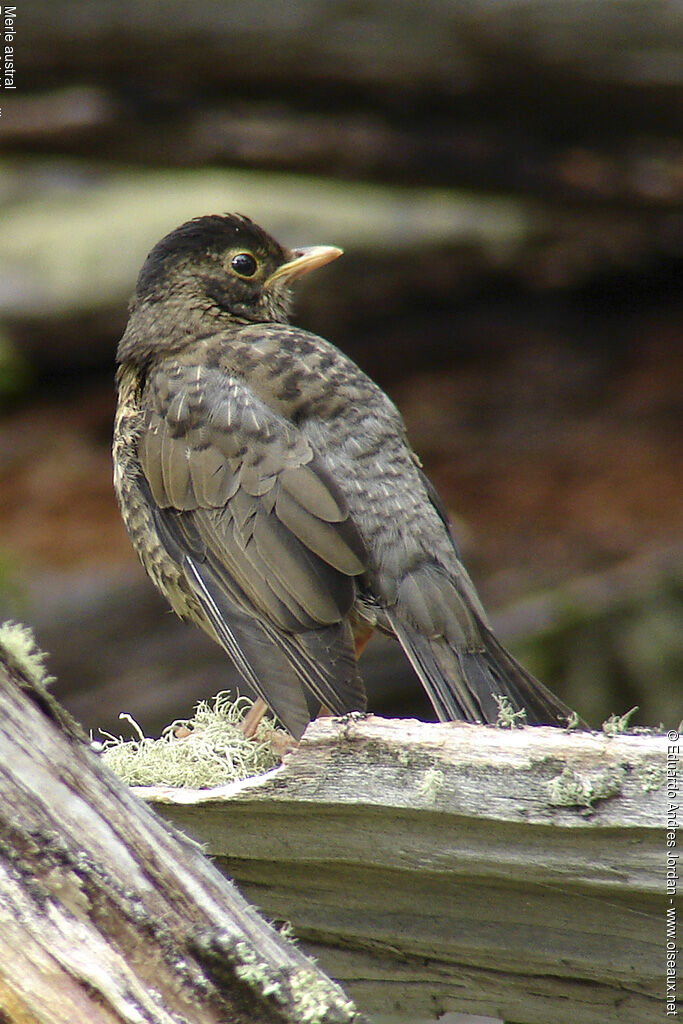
x=433, y=868
x=107, y=914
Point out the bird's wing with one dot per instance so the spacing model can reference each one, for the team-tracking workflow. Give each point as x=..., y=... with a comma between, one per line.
x=247, y=506
x=440, y=508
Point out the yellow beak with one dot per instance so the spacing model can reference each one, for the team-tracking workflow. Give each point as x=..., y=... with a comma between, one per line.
x=304, y=260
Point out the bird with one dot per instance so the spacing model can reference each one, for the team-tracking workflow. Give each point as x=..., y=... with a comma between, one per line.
x=270, y=490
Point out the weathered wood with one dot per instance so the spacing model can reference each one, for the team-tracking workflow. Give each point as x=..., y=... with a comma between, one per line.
x=456, y=867
x=105, y=915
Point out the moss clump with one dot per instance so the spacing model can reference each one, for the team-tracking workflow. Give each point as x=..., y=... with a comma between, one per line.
x=308, y=996
x=616, y=724
x=430, y=785
x=508, y=718
x=207, y=750
x=569, y=789
x=18, y=649
x=651, y=777
x=316, y=1001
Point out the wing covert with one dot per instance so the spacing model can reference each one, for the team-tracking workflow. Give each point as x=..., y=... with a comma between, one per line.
x=254, y=492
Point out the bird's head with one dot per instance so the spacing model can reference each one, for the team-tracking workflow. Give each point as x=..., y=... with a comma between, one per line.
x=229, y=268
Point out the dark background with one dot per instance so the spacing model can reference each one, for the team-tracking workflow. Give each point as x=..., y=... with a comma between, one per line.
x=506, y=179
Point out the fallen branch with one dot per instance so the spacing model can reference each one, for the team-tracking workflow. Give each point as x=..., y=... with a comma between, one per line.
x=518, y=874
x=108, y=916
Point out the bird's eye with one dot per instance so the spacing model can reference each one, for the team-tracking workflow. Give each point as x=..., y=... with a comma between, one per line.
x=244, y=264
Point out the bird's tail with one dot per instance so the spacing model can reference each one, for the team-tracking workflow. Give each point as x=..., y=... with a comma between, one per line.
x=470, y=682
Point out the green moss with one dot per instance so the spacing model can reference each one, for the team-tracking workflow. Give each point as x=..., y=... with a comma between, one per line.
x=18, y=649
x=569, y=789
x=616, y=724
x=508, y=718
x=651, y=776
x=316, y=1001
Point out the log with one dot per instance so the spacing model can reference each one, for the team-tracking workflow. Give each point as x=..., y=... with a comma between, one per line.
x=556, y=97
x=450, y=867
x=111, y=226
x=107, y=915
x=77, y=295
x=437, y=49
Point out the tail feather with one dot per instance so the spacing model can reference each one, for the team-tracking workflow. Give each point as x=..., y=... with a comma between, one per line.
x=275, y=663
x=465, y=683
x=521, y=688
x=263, y=667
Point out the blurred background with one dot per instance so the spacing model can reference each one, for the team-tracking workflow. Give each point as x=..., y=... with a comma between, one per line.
x=506, y=179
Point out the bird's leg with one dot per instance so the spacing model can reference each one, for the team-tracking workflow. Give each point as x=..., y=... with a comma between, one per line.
x=252, y=719
x=361, y=635
x=281, y=742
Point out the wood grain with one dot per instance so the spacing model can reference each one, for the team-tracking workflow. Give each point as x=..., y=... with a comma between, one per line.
x=105, y=915
x=435, y=868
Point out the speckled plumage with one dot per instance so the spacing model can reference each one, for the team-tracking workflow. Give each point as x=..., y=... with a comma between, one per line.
x=270, y=491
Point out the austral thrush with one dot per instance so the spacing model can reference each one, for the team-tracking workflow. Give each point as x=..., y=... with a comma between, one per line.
x=270, y=491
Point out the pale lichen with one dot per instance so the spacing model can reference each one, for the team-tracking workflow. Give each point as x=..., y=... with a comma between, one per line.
x=508, y=718
x=317, y=1001
x=311, y=998
x=430, y=784
x=199, y=753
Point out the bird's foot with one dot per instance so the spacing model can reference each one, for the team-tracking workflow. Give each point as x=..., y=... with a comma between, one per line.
x=282, y=743
x=252, y=719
